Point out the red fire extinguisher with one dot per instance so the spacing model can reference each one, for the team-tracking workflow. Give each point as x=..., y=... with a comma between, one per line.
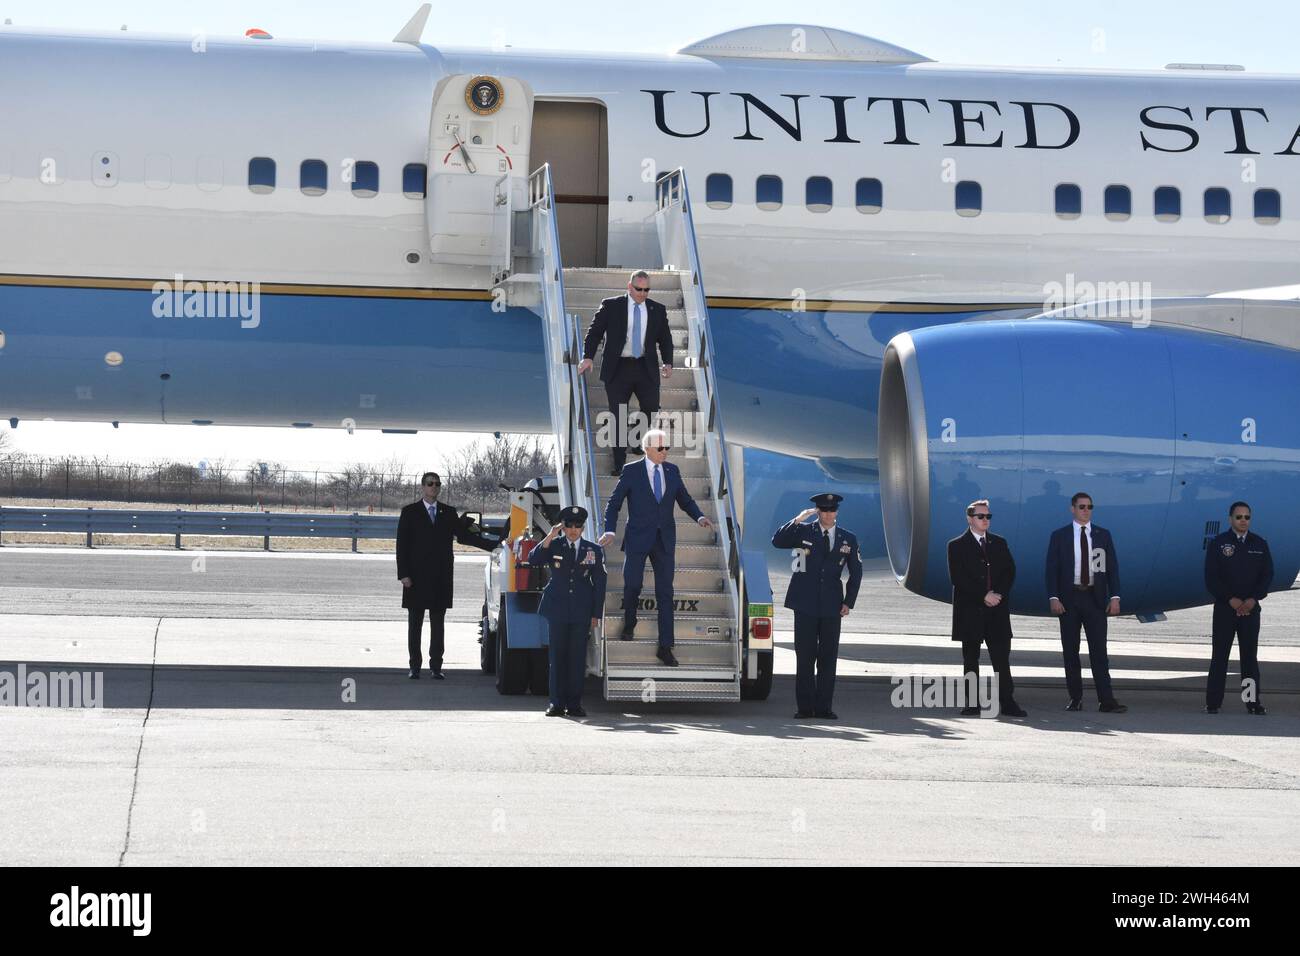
x=524, y=545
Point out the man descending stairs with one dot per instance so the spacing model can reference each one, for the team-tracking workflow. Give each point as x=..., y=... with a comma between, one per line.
x=703, y=649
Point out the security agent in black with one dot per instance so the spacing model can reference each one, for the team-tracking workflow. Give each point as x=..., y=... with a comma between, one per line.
x=1238, y=572
x=818, y=599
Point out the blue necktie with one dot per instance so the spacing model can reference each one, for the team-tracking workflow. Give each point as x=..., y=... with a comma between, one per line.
x=636, y=331
x=659, y=486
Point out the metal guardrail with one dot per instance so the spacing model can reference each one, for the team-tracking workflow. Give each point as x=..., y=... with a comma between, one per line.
x=266, y=525
x=676, y=229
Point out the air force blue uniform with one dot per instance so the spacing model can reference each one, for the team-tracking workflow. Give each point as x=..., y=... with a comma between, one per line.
x=574, y=595
x=815, y=595
x=1235, y=569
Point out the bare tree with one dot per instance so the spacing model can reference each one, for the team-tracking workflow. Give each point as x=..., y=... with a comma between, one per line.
x=477, y=470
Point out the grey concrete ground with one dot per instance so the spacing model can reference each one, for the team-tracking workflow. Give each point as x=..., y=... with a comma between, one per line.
x=225, y=738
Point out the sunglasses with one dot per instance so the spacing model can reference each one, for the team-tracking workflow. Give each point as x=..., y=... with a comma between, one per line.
x=432, y=484
x=573, y=524
x=983, y=517
x=663, y=447
x=637, y=288
x=1084, y=507
x=1241, y=517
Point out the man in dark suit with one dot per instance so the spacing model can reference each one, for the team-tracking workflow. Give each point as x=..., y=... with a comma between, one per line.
x=982, y=571
x=572, y=603
x=633, y=327
x=1083, y=581
x=823, y=551
x=1238, y=572
x=425, y=567
x=651, y=487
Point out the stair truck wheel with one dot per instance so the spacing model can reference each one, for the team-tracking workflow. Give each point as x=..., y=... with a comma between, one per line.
x=487, y=653
x=512, y=666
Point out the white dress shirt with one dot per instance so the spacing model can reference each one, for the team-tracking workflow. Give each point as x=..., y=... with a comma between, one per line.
x=1087, y=528
x=650, y=473
x=645, y=322
x=1075, y=526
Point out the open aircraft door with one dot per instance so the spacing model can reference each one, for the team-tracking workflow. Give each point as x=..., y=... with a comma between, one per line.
x=478, y=133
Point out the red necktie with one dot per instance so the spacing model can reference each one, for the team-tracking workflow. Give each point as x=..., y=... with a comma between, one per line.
x=1085, y=558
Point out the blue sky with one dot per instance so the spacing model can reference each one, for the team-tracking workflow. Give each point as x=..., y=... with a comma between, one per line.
x=1260, y=36
x=1107, y=34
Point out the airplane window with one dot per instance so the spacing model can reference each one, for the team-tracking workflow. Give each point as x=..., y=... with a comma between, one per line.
x=969, y=198
x=1218, y=205
x=767, y=193
x=1169, y=204
x=717, y=191
x=1119, y=203
x=1268, y=207
x=261, y=175
x=313, y=177
x=870, y=196
x=1069, y=201
x=415, y=180
x=365, y=179
x=818, y=194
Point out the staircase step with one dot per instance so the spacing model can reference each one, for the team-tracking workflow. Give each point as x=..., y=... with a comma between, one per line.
x=686, y=627
x=710, y=603
x=672, y=397
x=688, y=532
x=690, y=465
x=641, y=653
x=656, y=686
x=697, y=580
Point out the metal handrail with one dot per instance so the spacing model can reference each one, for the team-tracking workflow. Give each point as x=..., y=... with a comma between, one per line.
x=671, y=192
x=570, y=413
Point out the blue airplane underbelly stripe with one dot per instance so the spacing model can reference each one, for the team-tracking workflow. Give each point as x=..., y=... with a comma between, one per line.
x=799, y=382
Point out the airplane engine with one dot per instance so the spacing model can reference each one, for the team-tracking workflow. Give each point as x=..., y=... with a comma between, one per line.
x=1164, y=427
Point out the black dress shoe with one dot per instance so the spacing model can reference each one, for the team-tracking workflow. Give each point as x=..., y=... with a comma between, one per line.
x=802, y=714
x=413, y=673
x=1112, y=707
x=665, y=654
x=1074, y=704
x=970, y=711
x=628, y=633
x=1211, y=710
x=439, y=675
x=827, y=715
x=576, y=712
x=1257, y=709
x=616, y=471
x=1014, y=710
x=554, y=711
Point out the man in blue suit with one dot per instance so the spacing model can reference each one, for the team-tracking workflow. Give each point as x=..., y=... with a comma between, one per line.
x=819, y=602
x=1083, y=581
x=651, y=487
x=572, y=603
